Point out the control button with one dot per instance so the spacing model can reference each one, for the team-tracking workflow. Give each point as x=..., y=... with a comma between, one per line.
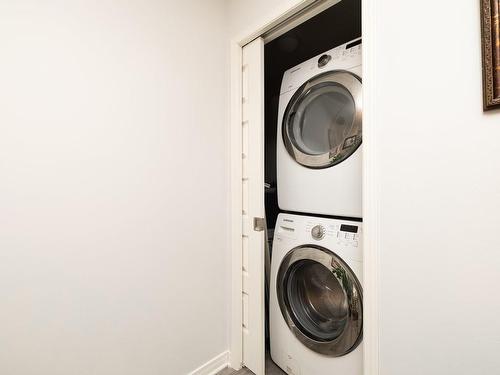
x=349, y=236
x=355, y=243
x=318, y=232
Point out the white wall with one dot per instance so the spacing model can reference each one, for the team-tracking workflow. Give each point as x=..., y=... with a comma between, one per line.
x=246, y=16
x=439, y=167
x=113, y=252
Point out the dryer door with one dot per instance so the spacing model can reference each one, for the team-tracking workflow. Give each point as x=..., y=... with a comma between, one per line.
x=321, y=300
x=322, y=123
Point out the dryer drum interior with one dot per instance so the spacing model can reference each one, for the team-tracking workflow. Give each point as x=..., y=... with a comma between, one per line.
x=322, y=125
x=320, y=298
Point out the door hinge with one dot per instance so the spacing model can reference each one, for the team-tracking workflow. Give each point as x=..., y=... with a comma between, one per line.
x=259, y=224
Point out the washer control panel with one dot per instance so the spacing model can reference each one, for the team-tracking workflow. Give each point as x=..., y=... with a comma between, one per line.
x=343, y=237
x=341, y=233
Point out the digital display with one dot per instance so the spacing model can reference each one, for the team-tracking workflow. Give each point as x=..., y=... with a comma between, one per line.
x=355, y=43
x=349, y=228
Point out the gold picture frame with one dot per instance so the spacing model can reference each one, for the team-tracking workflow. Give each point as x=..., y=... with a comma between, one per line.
x=490, y=40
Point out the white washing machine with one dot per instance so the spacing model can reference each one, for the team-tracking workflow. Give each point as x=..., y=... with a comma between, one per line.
x=320, y=134
x=316, y=297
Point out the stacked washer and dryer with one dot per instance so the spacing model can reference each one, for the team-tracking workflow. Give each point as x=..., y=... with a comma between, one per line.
x=316, y=295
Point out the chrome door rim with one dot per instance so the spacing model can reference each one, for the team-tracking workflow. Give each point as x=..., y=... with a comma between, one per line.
x=353, y=85
x=352, y=334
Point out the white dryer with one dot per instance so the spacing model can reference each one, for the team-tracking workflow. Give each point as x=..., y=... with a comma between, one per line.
x=320, y=134
x=316, y=297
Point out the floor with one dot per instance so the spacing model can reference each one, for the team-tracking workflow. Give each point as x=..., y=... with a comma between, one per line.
x=271, y=369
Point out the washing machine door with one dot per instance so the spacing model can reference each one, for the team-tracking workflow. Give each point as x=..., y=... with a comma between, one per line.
x=322, y=122
x=321, y=300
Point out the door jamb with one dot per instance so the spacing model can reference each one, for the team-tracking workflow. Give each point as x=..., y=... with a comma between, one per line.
x=371, y=196
x=371, y=207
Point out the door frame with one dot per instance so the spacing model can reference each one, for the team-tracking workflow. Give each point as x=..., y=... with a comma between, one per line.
x=371, y=207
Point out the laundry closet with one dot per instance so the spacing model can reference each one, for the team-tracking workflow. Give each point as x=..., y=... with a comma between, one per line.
x=313, y=174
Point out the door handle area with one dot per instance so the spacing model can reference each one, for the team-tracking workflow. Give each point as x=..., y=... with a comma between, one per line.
x=259, y=224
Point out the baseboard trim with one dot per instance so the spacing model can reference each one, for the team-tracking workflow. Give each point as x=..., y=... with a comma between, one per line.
x=213, y=366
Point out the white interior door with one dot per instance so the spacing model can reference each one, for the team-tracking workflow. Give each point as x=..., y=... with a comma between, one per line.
x=253, y=244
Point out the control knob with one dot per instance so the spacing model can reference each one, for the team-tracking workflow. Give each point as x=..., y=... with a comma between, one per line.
x=318, y=232
x=323, y=60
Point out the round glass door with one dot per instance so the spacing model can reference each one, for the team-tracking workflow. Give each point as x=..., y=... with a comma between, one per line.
x=322, y=123
x=321, y=300
x=317, y=301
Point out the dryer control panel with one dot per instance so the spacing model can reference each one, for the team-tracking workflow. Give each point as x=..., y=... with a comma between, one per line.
x=347, y=56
